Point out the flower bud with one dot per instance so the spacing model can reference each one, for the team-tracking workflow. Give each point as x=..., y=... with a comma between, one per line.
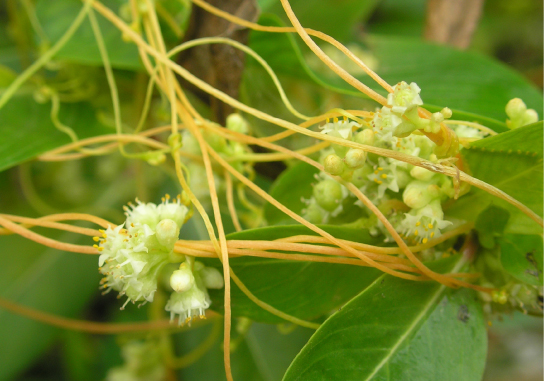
x=421, y=173
x=212, y=278
x=515, y=108
x=313, y=213
x=418, y=194
x=167, y=233
x=183, y=279
x=355, y=158
x=531, y=116
x=236, y=123
x=365, y=137
x=328, y=194
x=333, y=164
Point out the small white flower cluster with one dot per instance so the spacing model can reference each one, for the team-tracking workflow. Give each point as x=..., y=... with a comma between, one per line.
x=384, y=180
x=132, y=254
x=190, y=298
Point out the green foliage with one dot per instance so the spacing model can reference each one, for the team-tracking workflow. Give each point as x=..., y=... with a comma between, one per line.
x=512, y=162
x=393, y=323
x=521, y=257
x=291, y=286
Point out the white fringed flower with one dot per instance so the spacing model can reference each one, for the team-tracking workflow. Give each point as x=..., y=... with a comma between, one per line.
x=339, y=128
x=193, y=301
x=132, y=254
x=424, y=223
x=404, y=97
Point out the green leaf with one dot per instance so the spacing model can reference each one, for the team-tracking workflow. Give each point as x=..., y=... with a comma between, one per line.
x=399, y=330
x=521, y=257
x=339, y=21
x=512, y=162
x=306, y=290
x=464, y=81
x=57, y=16
x=47, y=280
x=27, y=130
x=491, y=223
x=289, y=188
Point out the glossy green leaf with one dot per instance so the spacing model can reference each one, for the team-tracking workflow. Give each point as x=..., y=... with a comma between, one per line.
x=56, y=17
x=460, y=80
x=521, y=257
x=339, y=21
x=399, y=330
x=512, y=162
x=27, y=130
x=490, y=224
x=289, y=188
x=303, y=289
x=47, y=280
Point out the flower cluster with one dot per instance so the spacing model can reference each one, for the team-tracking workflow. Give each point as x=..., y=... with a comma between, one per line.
x=519, y=115
x=410, y=196
x=132, y=254
x=143, y=361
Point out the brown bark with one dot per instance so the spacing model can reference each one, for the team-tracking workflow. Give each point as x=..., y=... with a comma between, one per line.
x=452, y=22
x=219, y=65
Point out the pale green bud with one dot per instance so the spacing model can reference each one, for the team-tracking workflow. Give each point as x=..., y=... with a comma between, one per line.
x=183, y=279
x=365, y=137
x=531, y=116
x=334, y=164
x=212, y=278
x=446, y=113
x=360, y=176
x=328, y=194
x=236, y=123
x=421, y=173
x=313, y=213
x=167, y=233
x=418, y=194
x=515, y=108
x=355, y=158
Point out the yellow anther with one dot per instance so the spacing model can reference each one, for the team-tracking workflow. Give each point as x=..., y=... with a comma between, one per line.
x=125, y=208
x=167, y=196
x=432, y=234
x=101, y=230
x=96, y=239
x=418, y=223
x=379, y=182
x=132, y=224
x=163, y=199
x=104, y=235
x=430, y=226
x=424, y=240
x=328, y=120
x=416, y=233
x=384, y=176
x=376, y=172
x=345, y=119
x=95, y=246
x=335, y=120
x=380, y=169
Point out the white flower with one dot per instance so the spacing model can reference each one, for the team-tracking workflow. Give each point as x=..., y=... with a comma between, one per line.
x=385, y=176
x=192, y=302
x=132, y=254
x=339, y=128
x=404, y=97
x=424, y=223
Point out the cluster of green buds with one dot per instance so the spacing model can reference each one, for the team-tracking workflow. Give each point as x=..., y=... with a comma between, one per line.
x=133, y=254
x=419, y=192
x=519, y=115
x=230, y=150
x=143, y=361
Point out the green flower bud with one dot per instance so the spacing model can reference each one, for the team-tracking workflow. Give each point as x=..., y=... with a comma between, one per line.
x=421, y=173
x=328, y=194
x=418, y=194
x=515, y=108
x=446, y=113
x=355, y=158
x=167, y=233
x=403, y=178
x=236, y=123
x=183, y=279
x=531, y=116
x=360, y=176
x=365, y=137
x=313, y=213
x=212, y=278
x=334, y=165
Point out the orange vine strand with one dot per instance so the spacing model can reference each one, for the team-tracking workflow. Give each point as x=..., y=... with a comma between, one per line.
x=18, y=229
x=85, y=325
x=30, y=222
